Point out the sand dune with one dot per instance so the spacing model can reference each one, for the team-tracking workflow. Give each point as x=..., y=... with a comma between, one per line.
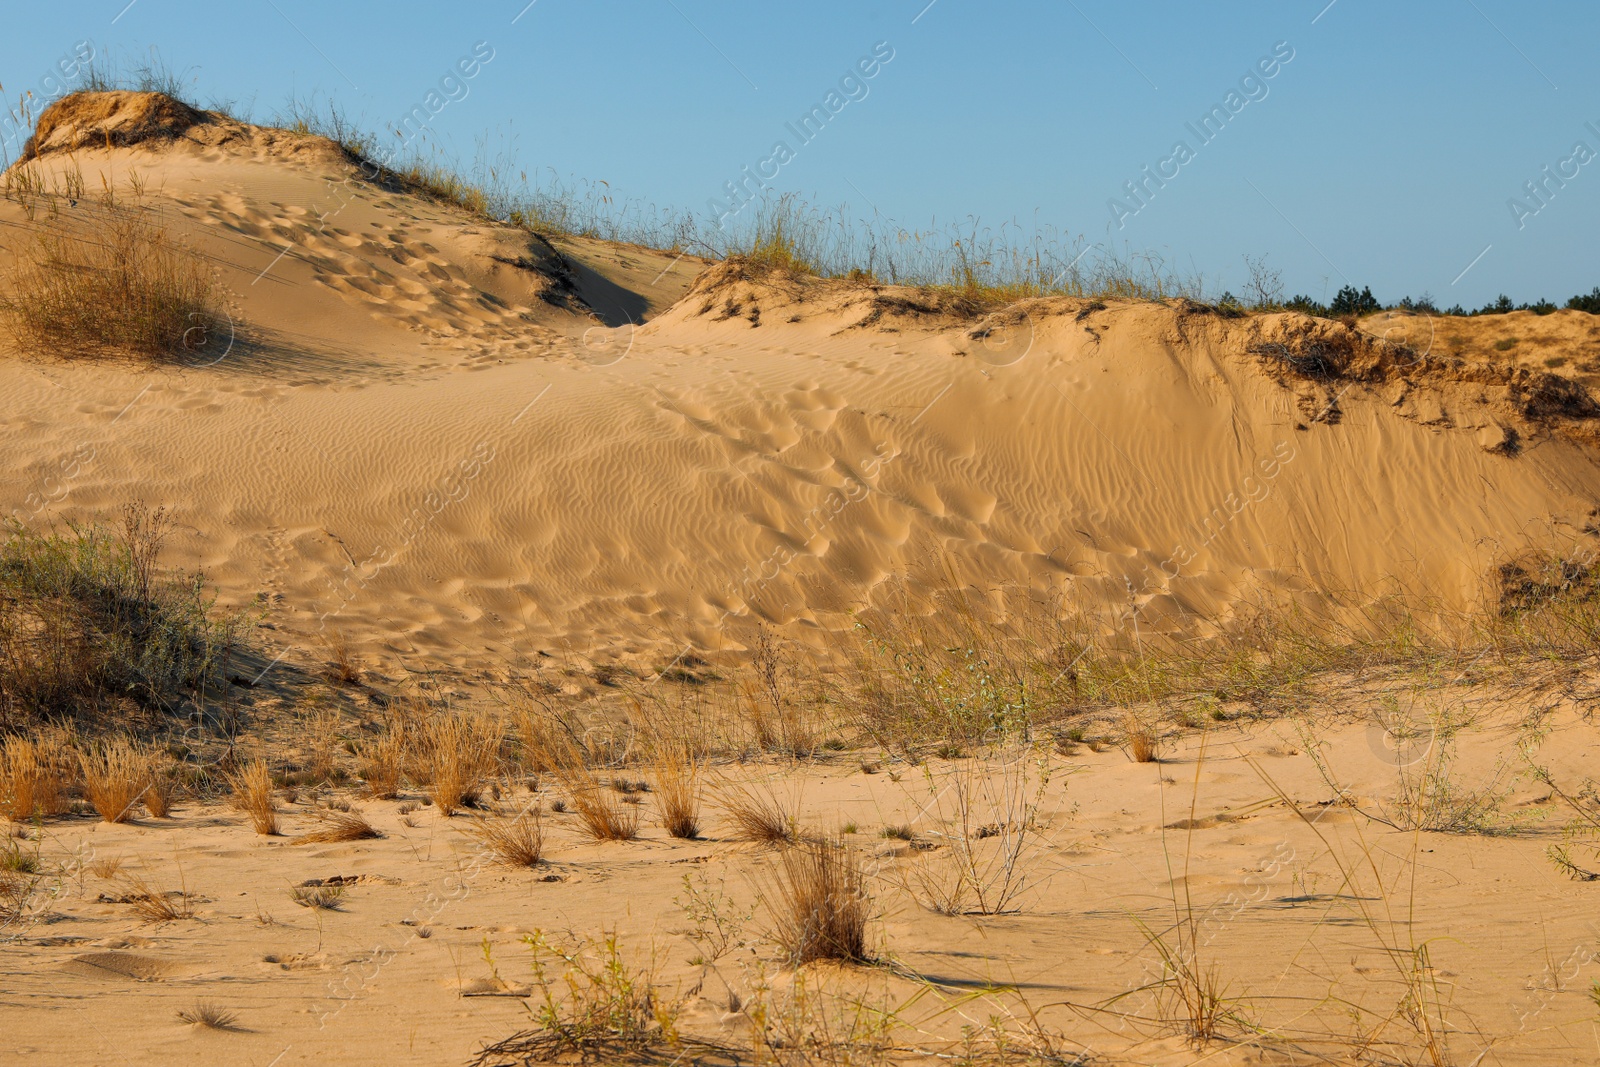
x=446, y=436
x=466, y=447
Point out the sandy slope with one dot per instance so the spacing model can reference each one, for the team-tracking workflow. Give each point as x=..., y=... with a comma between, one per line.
x=446, y=437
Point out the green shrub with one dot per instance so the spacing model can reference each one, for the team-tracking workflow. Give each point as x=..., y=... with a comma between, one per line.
x=87, y=624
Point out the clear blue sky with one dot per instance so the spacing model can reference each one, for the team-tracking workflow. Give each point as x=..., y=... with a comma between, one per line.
x=1382, y=154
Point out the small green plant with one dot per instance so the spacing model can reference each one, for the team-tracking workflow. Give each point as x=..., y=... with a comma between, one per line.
x=718, y=922
x=87, y=622
x=589, y=1004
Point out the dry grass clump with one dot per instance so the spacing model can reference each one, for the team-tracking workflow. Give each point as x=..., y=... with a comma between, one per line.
x=159, y=790
x=116, y=777
x=678, y=792
x=820, y=903
x=31, y=778
x=383, y=763
x=112, y=280
x=155, y=905
x=342, y=668
x=1144, y=744
x=339, y=826
x=602, y=818
x=759, y=815
x=517, y=842
x=209, y=1015
x=252, y=794
x=318, y=897
x=457, y=753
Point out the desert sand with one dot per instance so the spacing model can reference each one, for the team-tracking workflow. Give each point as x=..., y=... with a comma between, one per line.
x=478, y=455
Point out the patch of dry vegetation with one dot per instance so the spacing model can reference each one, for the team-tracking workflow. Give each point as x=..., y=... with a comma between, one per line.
x=89, y=629
x=107, y=278
x=456, y=754
x=759, y=815
x=820, y=904
x=32, y=775
x=339, y=826
x=252, y=794
x=116, y=777
x=514, y=842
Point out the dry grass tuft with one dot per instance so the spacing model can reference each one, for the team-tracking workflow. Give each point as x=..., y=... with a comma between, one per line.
x=252, y=794
x=457, y=752
x=382, y=764
x=318, y=897
x=342, y=667
x=339, y=826
x=603, y=819
x=158, y=791
x=116, y=776
x=106, y=867
x=210, y=1016
x=1144, y=745
x=30, y=778
x=517, y=842
x=678, y=792
x=112, y=280
x=758, y=815
x=820, y=904
x=155, y=905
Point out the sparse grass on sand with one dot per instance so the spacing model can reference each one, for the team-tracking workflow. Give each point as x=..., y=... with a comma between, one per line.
x=91, y=632
x=155, y=905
